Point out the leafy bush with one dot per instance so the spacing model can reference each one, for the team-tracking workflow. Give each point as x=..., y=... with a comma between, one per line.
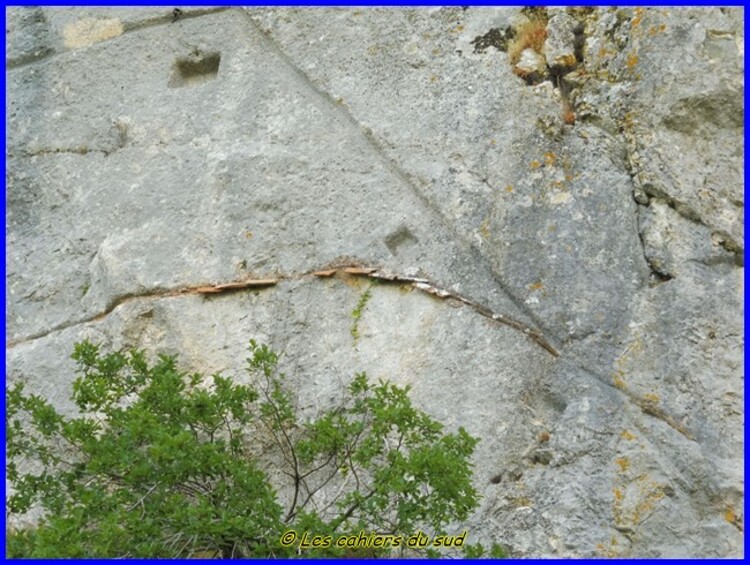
x=162, y=463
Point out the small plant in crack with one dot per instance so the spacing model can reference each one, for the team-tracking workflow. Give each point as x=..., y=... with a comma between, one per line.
x=359, y=310
x=530, y=35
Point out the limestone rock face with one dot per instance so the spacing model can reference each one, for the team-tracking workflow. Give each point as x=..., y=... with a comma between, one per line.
x=560, y=46
x=149, y=154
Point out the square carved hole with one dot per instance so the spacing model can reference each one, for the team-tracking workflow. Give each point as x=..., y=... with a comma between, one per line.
x=195, y=69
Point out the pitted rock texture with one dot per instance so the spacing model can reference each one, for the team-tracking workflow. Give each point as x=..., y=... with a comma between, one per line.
x=151, y=155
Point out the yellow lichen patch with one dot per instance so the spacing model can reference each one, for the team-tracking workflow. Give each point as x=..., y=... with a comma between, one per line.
x=567, y=60
x=617, y=380
x=549, y=159
x=623, y=464
x=484, y=229
x=636, y=21
x=508, y=188
x=629, y=120
x=649, y=493
x=536, y=286
x=635, y=501
x=632, y=61
x=88, y=31
x=730, y=516
x=458, y=29
x=535, y=164
x=626, y=435
x=521, y=501
x=655, y=30
x=604, y=551
x=651, y=397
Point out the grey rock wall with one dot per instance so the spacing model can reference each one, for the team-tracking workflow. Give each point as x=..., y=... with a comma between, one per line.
x=596, y=213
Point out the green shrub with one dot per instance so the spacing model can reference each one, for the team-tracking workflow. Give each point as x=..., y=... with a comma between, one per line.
x=162, y=463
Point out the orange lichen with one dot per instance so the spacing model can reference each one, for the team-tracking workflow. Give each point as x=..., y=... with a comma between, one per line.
x=632, y=61
x=654, y=30
x=623, y=463
x=730, y=516
x=531, y=34
x=535, y=164
x=636, y=21
x=544, y=437
x=569, y=116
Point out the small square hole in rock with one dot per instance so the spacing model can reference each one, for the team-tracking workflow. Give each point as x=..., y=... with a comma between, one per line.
x=400, y=239
x=195, y=69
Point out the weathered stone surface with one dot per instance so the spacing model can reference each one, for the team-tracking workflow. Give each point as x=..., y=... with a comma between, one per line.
x=193, y=151
x=27, y=35
x=686, y=80
x=531, y=65
x=33, y=33
x=560, y=47
x=674, y=245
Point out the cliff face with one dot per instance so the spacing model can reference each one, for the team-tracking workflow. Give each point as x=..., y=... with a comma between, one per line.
x=151, y=156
